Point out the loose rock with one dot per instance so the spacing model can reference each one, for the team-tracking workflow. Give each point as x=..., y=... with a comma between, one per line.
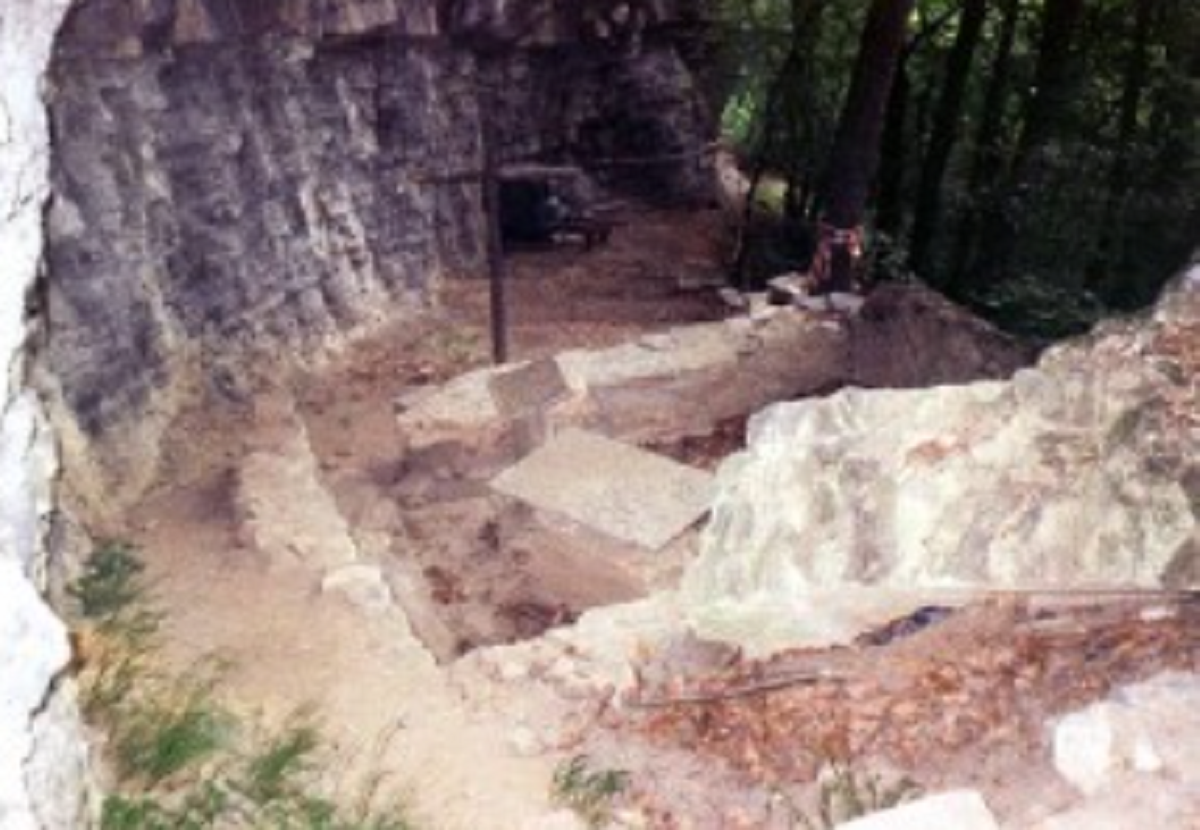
x=960, y=810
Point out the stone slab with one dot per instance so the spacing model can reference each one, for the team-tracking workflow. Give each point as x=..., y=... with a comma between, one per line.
x=528, y=389
x=624, y=492
x=957, y=810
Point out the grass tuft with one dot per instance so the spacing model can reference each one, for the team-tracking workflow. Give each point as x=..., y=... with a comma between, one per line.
x=590, y=793
x=846, y=794
x=111, y=584
x=173, y=731
x=272, y=772
x=179, y=759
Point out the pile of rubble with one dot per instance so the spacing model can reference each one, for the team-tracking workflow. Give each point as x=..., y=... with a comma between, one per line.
x=988, y=675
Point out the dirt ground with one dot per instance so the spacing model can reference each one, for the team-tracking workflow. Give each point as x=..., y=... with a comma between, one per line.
x=712, y=740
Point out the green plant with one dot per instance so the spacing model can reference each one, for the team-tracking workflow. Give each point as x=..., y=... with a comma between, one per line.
x=181, y=760
x=272, y=771
x=111, y=583
x=846, y=794
x=590, y=793
x=116, y=630
x=1037, y=309
x=172, y=730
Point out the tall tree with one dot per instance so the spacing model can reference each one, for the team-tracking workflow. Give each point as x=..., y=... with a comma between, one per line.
x=780, y=123
x=889, y=209
x=1047, y=112
x=987, y=159
x=1109, y=243
x=944, y=134
x=890, y=200
x=801, y=168
x=855, y=154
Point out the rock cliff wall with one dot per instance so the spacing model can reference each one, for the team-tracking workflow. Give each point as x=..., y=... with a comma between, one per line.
x=276, y=176
x=1083, y=471
x=42, y=753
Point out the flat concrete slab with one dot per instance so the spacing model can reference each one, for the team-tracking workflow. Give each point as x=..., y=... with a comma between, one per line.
x=624, y=492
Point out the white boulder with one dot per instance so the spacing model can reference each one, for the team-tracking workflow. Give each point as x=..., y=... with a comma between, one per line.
x=956, y=810
x=1151, y=727
x=1080, y=472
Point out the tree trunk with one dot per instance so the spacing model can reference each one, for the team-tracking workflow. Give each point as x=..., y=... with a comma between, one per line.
x=889, y=213
x=1048, y=109
x=770, y=125
x=1109, y=243
x=855, y=155
x=806, y=23
x=988, y=156
x=894, y=151
x=944, y=134
x=782, y=108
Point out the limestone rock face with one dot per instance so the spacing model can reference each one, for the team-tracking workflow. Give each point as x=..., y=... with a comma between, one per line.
x=42, y=756
x=130, y=28
x=1083, y=470
x=275, y=177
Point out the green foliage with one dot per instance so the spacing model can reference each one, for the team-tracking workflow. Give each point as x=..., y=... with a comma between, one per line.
x=181, y=760
x=271, y=772
x=135, y=813
x=1039, y=310
x=847, y=794
x=590, y=793
x=170, y=732
x=118, y=621
x=1043, y=228
x=111, y=583
x=112, y=595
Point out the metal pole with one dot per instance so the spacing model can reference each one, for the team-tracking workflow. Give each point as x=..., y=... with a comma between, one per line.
x=495, y=246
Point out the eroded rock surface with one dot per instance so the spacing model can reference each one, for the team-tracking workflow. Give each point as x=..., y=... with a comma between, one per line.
x=688, y=380
x=43, y=763
x=627, y=493
x=1151, y=728
x=1082, y=471
x=961, y=809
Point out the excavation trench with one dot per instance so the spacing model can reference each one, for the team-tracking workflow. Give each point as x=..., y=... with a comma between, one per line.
x=512, y=499
x=494, y=503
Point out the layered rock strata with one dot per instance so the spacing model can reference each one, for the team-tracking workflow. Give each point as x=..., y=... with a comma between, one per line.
x=270, y=177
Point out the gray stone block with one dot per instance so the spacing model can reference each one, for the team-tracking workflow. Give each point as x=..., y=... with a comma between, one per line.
x=626, y=493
